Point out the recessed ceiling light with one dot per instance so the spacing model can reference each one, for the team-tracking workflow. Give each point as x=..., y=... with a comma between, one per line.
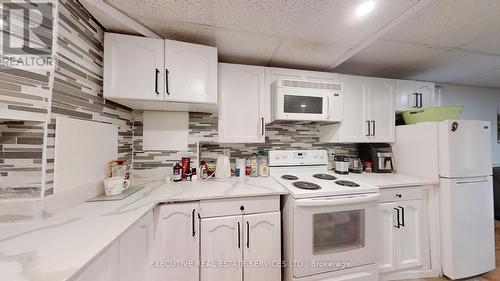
x=365, y=8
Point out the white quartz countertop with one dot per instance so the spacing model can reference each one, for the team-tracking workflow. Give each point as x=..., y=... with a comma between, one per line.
x=58, y=248
x=391, y=180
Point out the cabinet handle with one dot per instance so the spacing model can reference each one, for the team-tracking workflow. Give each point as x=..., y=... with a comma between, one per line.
x=156, y=80
x=262, y=126
x=373, y=128
x=397, y=215
x=192, y=216
x=248, y=235
x=239, y=241
x=369, y=129
x=416, y=100
x=166, y=81
x=402, y=216
x=420, y=99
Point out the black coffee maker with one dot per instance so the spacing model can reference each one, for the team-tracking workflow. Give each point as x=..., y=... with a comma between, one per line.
x=380, y=154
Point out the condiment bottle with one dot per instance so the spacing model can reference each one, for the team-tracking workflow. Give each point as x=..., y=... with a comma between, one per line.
x=263, y=164
x=368, y=167
x=177, y=175
x=203, y=170
x=189, y=174
x=248, y=169
x=254, y=166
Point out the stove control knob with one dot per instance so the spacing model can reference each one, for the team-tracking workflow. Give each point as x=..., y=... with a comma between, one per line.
x=284, y=156
x=277, y=156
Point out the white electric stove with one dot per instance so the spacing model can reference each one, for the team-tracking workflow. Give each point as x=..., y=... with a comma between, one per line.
x=305, y=174
x=330, y=225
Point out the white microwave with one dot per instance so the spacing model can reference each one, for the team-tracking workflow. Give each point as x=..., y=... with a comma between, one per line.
x=300, y=100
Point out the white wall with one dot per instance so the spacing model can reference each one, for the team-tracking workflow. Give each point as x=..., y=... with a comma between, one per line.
x=479, y=104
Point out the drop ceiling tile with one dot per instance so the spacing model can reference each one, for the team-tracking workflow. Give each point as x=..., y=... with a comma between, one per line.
x=321, y=22
x=387, y=59
x=193, y=11
x=449, y=23
x=453, y=65
x=299, y=54
x=245, y=47
x=489, y=44
x=181, y=31
x=486, y=79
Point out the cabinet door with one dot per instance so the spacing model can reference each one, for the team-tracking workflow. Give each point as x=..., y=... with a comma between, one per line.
x=133, y=67
x=387, y=251
x=405, y=95
x=426, y=89
x=221, y=248
x=258, y=249
x=191, y=72
x=380, y=109
x=105, y=268
x=177, y=239
x=354, y=127
x=241, y=104
x=410, y=235
x=136, y=250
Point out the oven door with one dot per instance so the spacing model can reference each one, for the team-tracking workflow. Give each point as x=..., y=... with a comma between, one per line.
x=333, y=233
x=302, y=104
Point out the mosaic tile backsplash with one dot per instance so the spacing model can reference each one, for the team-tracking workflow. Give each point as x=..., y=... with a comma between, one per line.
x=72, y=89
x=203, y=129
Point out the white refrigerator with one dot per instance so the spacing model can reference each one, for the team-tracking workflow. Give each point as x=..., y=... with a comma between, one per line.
x=458, y=153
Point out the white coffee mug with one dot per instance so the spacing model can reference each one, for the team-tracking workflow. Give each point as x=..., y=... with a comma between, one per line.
x=115, y=185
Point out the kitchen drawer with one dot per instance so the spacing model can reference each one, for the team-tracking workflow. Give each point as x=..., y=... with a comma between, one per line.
x=239, y=206
x=401, y=194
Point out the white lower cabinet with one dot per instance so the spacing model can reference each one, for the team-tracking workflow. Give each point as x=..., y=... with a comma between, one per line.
x=177, y=241
x=127, y=259
x=407, y=233
x=244, y=246
x=221, y=246
x=105, y=268
x=262, y=247
x=136, y=247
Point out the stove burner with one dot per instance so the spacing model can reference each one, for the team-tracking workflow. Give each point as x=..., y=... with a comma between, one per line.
x=289, y=177
x=306, y=185
x=324, y=177
x=347, y=183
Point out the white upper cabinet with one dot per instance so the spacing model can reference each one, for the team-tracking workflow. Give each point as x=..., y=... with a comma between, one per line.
x=156, y=74
x=191, y=72
x=133, y=67
x=368, y=114
x=354, y=127
x=380, y=109
x=414, y=94
x=241, y=104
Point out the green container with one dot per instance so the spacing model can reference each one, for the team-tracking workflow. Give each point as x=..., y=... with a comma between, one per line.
x=431, y=114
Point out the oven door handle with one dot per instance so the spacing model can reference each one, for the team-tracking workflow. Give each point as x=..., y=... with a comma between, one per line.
x=337, y=200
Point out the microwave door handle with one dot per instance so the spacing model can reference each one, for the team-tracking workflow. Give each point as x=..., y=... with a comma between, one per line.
x=335, y=201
